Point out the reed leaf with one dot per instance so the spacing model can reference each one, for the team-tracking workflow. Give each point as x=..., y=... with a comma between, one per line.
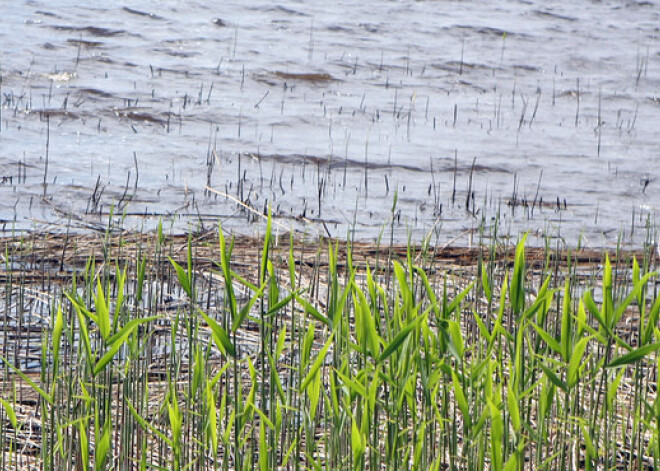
x=147, y=426
x=548, y=339
x=238, y=320
x=517, y=292
x=219, y=335
x=102, y=446
x=102, y=311
x=634, y=355
x=84, y=447
x=11, y=413
x=575, y=362
x=47, y=397
x=309, y=309
x=316, y=366
x=184, y=278
x=400, y=338
x=58, y=327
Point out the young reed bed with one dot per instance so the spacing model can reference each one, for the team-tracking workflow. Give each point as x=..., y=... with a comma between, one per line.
x=149, y=352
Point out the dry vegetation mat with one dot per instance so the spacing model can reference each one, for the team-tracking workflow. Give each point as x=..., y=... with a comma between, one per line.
x=204, y=351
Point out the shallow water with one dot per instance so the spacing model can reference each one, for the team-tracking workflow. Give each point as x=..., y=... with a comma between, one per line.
x=325, y=109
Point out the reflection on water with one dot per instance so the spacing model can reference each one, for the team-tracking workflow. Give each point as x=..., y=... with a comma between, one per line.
x=539, y=115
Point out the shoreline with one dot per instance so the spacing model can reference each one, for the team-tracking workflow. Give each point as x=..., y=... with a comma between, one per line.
x=74, y=249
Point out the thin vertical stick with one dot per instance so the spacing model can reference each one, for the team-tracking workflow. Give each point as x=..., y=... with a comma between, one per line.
x=469, y=190
x=600, y=121
x=310, y=47
x=577, y=111
x=460, y=69
x=453, y=193
x=47, y=150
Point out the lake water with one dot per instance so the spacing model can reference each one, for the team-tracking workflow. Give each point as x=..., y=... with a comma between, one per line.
x=531, y=115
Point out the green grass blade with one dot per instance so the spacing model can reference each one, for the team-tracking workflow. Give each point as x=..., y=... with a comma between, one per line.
x=238, y=320
x=547, y=338
x=634, y=356
x=130, y=326
x=147, y=426
x=219, y=335
x=47, y=397
x=517, y=289
x=461, y=401
x=566, y=324
x=102, y=311
x=119, y=301
x=576, y=361
x=263, y=447
x=485, y=283
x=400, y=337
x=102, y=448
x=184, y=278
x=652, y=321
x=11, y=413
x=632, y=296
x=58, y=327
x=316, y=366
x=226, y=272
x=84, y=446
x=554, y=379
x=353, y=386
x=281, y=303
x=456, y=302
x=309, y=309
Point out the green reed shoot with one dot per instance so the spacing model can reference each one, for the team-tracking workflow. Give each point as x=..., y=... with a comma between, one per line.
x=408, y=365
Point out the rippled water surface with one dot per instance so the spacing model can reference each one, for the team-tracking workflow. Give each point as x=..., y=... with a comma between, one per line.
x=532, y=115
